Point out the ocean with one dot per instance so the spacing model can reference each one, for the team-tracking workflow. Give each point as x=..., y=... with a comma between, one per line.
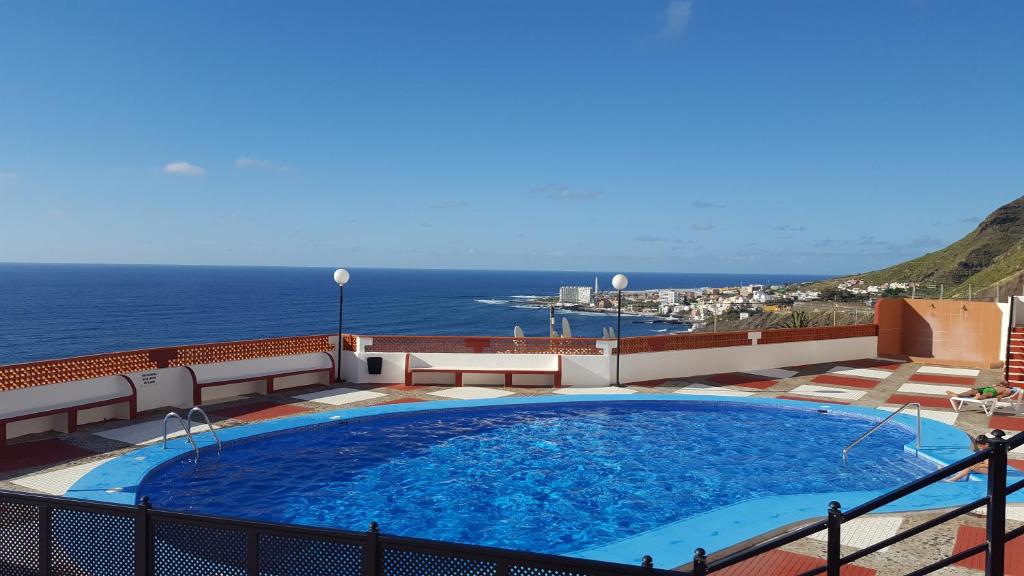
x=60, y=310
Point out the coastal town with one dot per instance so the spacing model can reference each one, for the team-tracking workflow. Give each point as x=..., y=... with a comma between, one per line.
x=697, y=308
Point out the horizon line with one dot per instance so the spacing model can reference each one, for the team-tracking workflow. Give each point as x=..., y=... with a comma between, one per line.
x=427, y=269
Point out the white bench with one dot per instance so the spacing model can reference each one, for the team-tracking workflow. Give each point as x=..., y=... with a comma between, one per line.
x=224, y=373
x=65, y=398
x=506, y=364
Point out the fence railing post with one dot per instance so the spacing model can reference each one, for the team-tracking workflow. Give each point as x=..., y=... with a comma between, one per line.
x=995, y=527
x=834, y=524
x=252, y=552
x=142, y=537
x=44, y=540
x=700, y=562
x=371, y=552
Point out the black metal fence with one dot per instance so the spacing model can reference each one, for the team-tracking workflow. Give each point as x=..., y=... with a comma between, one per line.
x=42, y=535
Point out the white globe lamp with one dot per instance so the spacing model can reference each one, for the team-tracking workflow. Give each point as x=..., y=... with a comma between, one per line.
x=341, y=276
x=619, y=281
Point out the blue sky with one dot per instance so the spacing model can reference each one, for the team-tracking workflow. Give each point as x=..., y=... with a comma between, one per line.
x=687, y=136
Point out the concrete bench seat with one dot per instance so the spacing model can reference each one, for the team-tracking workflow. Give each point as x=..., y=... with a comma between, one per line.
x=65, y=398
x=507, y=365
x=267, y=369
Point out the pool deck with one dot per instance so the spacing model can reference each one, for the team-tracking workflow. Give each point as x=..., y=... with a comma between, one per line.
x=51, y=463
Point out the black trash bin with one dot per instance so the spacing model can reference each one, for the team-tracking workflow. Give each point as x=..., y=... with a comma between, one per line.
x=374, y=364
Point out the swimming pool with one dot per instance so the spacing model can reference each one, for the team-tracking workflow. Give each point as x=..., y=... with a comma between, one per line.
x=548, y=477
x=705, y=466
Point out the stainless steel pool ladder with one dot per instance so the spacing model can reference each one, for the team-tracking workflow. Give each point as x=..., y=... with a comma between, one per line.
x=213, y=431
x=186, y=425
x=917, y=445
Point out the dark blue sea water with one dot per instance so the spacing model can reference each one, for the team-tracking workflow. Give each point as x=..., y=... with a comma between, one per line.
x=59, y=310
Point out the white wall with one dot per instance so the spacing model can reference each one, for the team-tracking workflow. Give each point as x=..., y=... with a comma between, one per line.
x=172, y=387
x=392, y=369
x=1004, y=329
x=600, y=370
x=682, y=363
x=167, y=388
x=485, y=361
x=588, y=370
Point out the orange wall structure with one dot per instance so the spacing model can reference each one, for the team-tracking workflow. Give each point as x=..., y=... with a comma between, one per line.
x=950, y=332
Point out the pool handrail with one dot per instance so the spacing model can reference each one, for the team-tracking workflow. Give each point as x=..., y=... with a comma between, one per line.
x=208, y=425
x=188, y=432
x=917, y=444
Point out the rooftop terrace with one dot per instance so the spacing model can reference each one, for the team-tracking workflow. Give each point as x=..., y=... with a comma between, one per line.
x=821, y=366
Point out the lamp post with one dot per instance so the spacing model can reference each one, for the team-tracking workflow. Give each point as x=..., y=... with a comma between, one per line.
x=619, y=282
x=341, y=277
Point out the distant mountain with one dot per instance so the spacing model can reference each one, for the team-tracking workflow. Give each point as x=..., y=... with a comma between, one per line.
x=991, y=256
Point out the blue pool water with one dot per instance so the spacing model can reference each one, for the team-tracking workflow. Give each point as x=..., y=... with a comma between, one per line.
x=551, y=478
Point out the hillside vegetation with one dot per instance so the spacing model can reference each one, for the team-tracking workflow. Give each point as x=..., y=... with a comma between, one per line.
x=991, y=255
x=803, y=315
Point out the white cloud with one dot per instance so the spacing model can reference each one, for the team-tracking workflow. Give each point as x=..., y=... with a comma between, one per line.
x=677, y=18
x=246, y=162
x=703, y=226
x=8, y=175
x=184, y=169
x=564, y=193
x=706, y=205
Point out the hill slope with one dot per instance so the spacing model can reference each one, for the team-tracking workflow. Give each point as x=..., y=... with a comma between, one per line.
x=991, y=255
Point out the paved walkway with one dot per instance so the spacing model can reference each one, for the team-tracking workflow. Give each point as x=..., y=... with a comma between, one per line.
x=49, y=463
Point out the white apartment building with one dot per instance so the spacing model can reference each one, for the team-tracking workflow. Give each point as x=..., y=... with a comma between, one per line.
x=575, y=295
x=667, y=297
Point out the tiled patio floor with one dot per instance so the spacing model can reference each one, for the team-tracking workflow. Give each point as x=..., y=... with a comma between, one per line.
x=48, y=463
x=783, y=563
x=47, y=452
x=969, y=536
x=255, y=412
x=839, y=380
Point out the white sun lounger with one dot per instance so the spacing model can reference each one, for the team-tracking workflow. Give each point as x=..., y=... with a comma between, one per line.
x=990, y=405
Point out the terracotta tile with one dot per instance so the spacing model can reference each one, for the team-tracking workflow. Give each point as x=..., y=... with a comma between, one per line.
x=970, y=536
x=784, y=563
x=837, y=380
x=22, y=455
x=926, y=401
x=259, y=411
x=1006, y=423
x=942, y=379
